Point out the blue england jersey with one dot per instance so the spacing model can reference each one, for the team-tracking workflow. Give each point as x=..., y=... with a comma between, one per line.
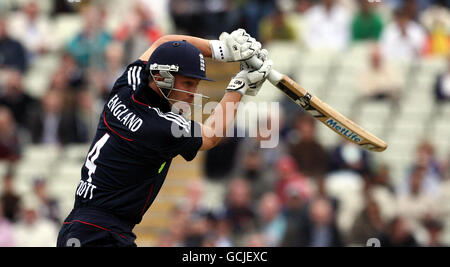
x=134, y=145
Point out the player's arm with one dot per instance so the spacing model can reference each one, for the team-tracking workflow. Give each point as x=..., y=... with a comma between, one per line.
x=236, y=46
x=220, y=120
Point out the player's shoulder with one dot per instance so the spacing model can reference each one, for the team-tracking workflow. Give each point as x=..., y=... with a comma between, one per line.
x=169, y=122
x=133, y=75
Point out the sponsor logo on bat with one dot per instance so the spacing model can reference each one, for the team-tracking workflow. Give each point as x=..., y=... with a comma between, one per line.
x=335, y=125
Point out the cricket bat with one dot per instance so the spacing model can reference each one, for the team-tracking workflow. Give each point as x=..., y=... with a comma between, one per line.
x=323, y=112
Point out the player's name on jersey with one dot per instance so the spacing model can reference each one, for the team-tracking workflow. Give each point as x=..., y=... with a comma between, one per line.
x=123, y=114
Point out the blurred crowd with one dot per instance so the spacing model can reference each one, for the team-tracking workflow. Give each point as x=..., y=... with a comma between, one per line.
x=262, y=197
x=286, y=196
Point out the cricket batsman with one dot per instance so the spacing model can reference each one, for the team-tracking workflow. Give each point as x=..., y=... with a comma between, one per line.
x=135, y=143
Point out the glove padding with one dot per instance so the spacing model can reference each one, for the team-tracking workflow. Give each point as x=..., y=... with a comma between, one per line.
x=257, y=77
x=236, y=46
x=248, y=81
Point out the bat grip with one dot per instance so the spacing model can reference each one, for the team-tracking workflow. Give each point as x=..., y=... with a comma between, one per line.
x=274, y=76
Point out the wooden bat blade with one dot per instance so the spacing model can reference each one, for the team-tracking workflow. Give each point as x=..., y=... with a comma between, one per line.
x=329, y=116
x=321, y=111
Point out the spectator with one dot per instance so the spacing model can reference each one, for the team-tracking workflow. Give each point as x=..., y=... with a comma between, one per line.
x=238, y=207
x=216, y=17
x=436, y=20
x=220, y=161
x=193, y=202
x=289, y=179
x=33, y=230
x=403, y=39
x=443, y=197
x=87, y=112
x=426, y=156
x=347, y=156
x=197, y=230
x=380, y=81
x=60, y=82
x=9, y=199
x=301, y=6
x=368, y=224
x=322, y=192
x=254, y=12
x=366, y=23
x=442, y=85
x=327, y=25
x=10, y=146
x=219, y=232
x=219, y=167
x=187, y=16
x=48, y=206
x=12, y=52
x=309, y=154
x=114, y=66
x=102, y=80
x=137, y=33
x=73, y=77
x=382, y=178
x=271, y=221
x=397, y=234
x=434, y=228
x=176, y=231
x=295, y=213
x=427, y=166
x=260, y=153
x=253, y=165
x=254, y=239
x=15, y=97
x=319, y=228
x=416, y=205
x=276, y=26
x=88, y=47
x=55, y=125
x=62, y=7
x=32, y=29
x=6, y=231
x=235, y=15
x=223, y=230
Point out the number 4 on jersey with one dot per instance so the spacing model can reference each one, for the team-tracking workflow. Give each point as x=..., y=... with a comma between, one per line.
x=93, y=155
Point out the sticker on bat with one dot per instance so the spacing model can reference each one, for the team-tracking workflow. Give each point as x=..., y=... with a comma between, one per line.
x=336, y=126
x=304, y=100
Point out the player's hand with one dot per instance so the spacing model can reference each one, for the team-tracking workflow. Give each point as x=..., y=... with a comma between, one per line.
x=249, y=81
x=257, y=76
x=236, y=46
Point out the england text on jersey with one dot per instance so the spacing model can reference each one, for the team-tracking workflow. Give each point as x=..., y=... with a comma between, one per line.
x=121, y=112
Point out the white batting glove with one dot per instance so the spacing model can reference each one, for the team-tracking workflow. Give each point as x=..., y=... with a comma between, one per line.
x=236, y=46
x=257, y=77
x=248, y=81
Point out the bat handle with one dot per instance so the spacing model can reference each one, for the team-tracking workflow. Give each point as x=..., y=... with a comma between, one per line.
x=274, y=76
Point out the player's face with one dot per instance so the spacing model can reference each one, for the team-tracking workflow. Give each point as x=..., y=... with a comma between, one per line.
x=187, y=84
